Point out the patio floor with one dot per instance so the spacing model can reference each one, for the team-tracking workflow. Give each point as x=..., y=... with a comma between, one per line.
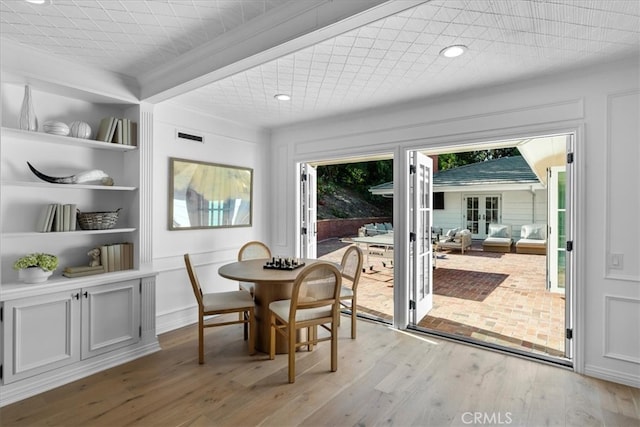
x=499, y=298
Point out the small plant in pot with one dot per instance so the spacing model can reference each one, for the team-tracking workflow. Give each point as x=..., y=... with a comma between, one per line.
x=36, y=267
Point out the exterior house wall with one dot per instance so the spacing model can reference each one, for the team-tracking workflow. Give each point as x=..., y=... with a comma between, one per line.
x=519, y=207
x=599, y=103
x=451, y=216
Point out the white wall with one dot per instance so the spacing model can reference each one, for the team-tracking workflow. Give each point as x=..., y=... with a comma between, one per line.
x=601, y=105
x=224, y=143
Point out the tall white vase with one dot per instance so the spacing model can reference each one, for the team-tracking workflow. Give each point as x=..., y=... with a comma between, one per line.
x=28, y=119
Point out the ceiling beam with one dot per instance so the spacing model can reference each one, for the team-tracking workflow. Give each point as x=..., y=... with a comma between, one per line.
x=281, y=31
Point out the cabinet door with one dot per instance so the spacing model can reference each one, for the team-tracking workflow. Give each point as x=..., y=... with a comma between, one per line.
x=41, y=333
x=110, y=317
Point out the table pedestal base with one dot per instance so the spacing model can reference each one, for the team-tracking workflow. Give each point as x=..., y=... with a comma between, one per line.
x=265, y=293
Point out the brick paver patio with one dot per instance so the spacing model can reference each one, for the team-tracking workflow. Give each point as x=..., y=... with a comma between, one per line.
x=498, y=298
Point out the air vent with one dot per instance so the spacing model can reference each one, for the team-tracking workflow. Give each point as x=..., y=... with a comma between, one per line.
x=189, y=137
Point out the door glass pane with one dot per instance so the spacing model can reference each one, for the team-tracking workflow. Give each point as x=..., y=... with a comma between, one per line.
x=472, y=214
x=562, y=234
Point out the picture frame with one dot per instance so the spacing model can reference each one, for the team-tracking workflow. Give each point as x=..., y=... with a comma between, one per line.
x=209, y=195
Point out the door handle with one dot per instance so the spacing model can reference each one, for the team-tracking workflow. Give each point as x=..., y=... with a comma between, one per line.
x=76, y=295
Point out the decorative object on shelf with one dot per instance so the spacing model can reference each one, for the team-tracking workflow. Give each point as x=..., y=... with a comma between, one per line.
x=95, y=257
x=97, y=220
x=79, y=178
x=80, y=129
x=35, y=267
x=55, y=128
x=28, y=119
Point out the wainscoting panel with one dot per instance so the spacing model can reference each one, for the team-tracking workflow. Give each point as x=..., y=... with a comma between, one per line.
x=621, y=320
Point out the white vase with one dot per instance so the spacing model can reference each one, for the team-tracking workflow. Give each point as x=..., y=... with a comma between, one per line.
x=33, y=275
x=28, y=119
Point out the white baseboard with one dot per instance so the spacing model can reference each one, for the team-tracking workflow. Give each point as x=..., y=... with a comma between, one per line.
x=40, y=383
x=613, y=376
x=176, y=319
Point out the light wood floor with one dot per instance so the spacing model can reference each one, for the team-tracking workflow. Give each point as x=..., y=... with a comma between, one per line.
x=385, y=377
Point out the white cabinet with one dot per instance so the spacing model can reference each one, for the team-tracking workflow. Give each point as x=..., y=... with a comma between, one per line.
x=110, y=317
x=51, y=331
x=40, y=334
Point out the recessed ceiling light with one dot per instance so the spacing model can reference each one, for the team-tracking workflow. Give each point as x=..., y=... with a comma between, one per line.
x=453, y=51
x=38, y=1
x=282, y=97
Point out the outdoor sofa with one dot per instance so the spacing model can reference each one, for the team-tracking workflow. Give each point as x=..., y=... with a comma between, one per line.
x=499, y=238
x=533, y=239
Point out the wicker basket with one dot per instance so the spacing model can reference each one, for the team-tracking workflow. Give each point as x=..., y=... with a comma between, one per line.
x=97, y=220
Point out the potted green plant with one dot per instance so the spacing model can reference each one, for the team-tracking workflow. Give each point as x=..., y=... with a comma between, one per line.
x=36, y=267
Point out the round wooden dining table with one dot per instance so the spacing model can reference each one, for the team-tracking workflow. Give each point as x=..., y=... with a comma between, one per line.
x=270, y=285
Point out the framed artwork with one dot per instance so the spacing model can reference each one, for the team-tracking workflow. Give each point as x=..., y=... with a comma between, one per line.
x=209, y=195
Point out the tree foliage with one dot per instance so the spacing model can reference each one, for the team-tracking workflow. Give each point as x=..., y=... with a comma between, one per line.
x=358, y=177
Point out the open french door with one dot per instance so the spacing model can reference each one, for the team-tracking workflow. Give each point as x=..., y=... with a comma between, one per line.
x=308, y=210
x=421, y=249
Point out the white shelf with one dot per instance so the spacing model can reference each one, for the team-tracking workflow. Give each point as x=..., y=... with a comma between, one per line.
x=66, y=233
x=65, y=140
x=67, y=186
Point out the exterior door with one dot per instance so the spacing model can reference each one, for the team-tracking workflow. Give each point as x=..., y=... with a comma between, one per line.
x=480, y=211
x=421, y=249
x=308, y=214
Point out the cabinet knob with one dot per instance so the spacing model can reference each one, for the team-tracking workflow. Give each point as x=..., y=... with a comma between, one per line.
x=86, y=294
x=76, y=295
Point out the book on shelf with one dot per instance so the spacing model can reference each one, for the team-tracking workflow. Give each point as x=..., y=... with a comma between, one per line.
x=71, y=274
x=59, y=221
x=83, y=268
x=117, y=136
x=73, y=208
x=104, y=131
x=117, y=256
x=45, y=219
x=133, y=140
x=66, y=217
x=57, y=217
x=118, y=131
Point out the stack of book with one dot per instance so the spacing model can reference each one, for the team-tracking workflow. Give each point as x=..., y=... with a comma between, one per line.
x=117, y=256
x=82, y=271
x=57, y=217
x=118, y=131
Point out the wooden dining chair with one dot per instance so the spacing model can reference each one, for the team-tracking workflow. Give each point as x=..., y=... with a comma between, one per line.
x=314, y=302
x=221, y=303
x=351, y=264
x=252, y=250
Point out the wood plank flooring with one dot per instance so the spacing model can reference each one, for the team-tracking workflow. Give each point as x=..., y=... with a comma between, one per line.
x=384, y=377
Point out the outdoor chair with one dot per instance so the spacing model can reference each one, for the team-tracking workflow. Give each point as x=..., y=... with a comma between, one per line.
x=314, y=302
x=455, y=239
x=210, y=304
x=351, y=268
x=499, y=238
x=533, y=239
